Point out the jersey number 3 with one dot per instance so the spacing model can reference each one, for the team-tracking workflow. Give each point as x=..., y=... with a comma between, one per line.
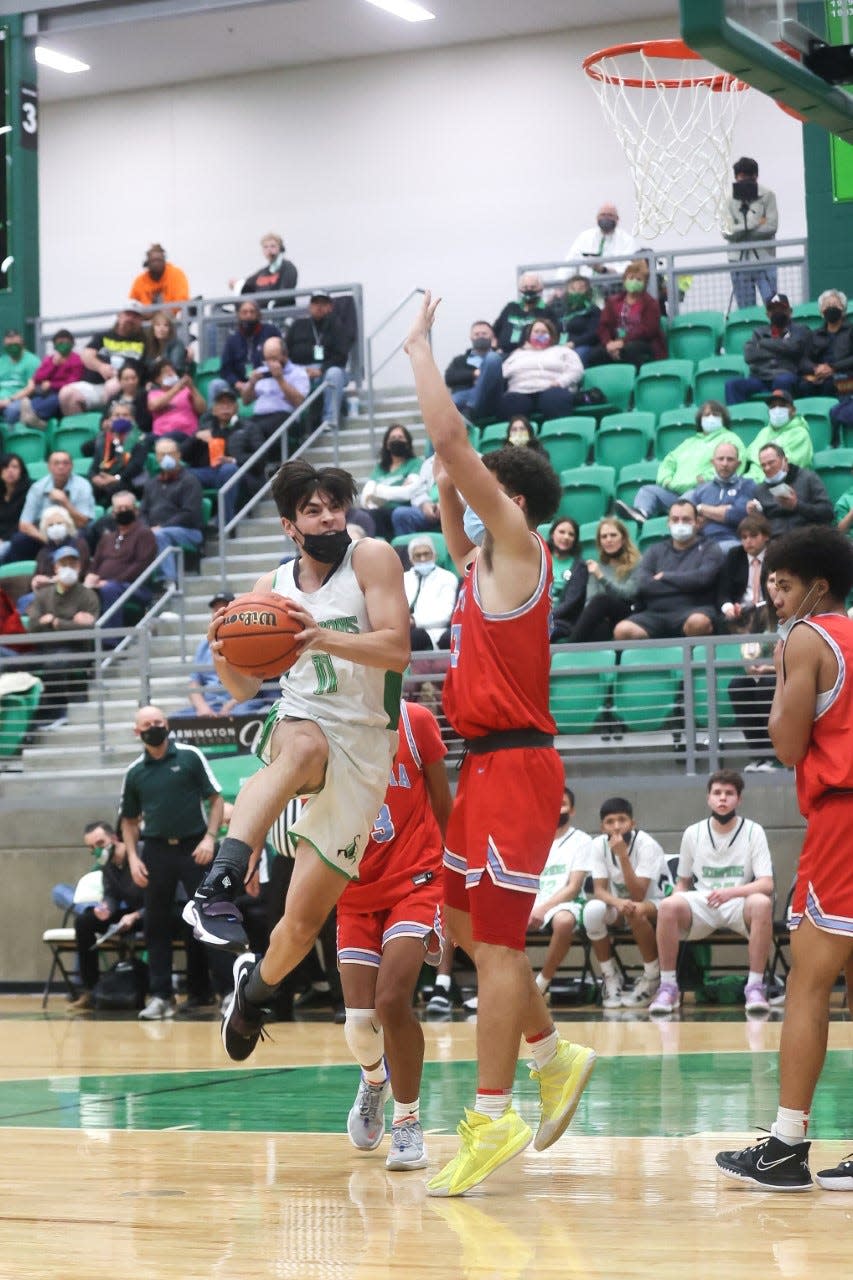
x=383, y=827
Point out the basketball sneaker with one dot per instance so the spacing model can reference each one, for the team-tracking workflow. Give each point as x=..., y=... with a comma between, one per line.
x=838, y=1179
x=407, y=1147
x=666, y=1001
x=366, y=1120
x=756, y=998
x=486, y=1145
x=561, y=1083
x=213, y=916
x=641, y=994
x=770, y=1164
x=612, y=993
x=242, y=1021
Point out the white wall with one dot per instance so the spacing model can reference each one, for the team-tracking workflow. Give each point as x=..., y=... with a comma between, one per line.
x=444, y=168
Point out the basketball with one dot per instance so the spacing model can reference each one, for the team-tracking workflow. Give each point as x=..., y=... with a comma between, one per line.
x=257, y=635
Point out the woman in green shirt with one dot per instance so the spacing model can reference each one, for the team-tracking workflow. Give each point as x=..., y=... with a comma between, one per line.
x=394, y=479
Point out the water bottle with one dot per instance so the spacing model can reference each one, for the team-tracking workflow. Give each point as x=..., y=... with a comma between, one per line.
x=352, y=406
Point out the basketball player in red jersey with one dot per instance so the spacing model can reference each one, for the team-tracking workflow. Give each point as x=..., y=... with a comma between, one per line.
x=511, y=783
x=811, y=725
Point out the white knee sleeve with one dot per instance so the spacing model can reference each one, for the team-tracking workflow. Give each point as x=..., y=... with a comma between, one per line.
x=364, y=1036
x=595, y=919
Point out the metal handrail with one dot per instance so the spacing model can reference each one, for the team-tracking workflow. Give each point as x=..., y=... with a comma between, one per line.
x=373, y=370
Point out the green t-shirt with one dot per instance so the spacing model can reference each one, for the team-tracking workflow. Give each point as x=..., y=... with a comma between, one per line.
x=409, y=466
x=15, y=374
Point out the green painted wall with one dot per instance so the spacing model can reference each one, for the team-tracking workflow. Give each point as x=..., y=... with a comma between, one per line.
x=829, y=220
x=19, y=288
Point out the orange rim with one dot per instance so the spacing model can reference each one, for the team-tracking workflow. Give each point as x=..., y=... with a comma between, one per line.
x=676, y=51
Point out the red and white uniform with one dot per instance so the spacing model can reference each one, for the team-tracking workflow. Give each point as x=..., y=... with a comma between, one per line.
x=398, y=891
x=824, y=889
x=508, y=800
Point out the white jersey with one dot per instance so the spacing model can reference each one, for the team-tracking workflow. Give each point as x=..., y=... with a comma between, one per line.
x=569, y=852
x=332, y=689
x=646, y=857
x=724, y=861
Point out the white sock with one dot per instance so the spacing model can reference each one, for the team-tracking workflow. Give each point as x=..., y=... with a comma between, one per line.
x=443, y=980
x=652, y=969
x=543, y=1048
x=755, y=979
x=668, y=975
x=493, y=1104
x=406, y=1111
x=791, y=1126
x=609, y=968
x=542, y=983
x=375, y=1075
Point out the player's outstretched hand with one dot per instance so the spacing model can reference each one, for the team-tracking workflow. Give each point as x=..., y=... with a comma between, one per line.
x=422, y=322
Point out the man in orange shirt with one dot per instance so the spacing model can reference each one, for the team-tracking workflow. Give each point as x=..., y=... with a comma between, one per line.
x=160, y=282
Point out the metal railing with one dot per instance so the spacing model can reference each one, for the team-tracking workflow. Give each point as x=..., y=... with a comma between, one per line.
x=373, y=368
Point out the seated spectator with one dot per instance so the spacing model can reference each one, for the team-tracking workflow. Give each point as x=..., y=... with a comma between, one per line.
x=570, y=577
x=520, y=432
x=204, y=454
x=58, y=530
x=559, y=905
x=751, y=696
x=395, y=477
x=721, y=501
x=160, y=281
x=121, y=904
x=475, y=378
x=774, y=354
x=243, y=350
x=431, y=593
x=39, y=401
x=541, y=376
x=580, y=320
x=278, y=272
x=11, y=624
x=421, y=514
x=630, y=330
x=612, y=583
x=14, y=486
x=630, y=876
x=121, y=555
x=162, y=343
x=725, y=881
x=171, y=505
x=606, y=238
x=119, y=454
x=276, y=389
x=789, y=496
x=17, y=366
x=742, y=584
x=785, y=427
x=175, y=403
x=829, y=350
x=517, y=316
x=321, y=344
x=228, y=435
x=208, y=696
x=65, y=606
x=103, y=357
x=688, y=464
x=132, y=396
x=676, y=583
x=60, y=487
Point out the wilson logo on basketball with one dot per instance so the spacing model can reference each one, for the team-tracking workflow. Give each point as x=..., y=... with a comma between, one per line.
x=253, y=618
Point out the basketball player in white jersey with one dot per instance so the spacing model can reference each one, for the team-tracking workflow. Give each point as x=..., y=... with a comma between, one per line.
x=560, y=901
x=331, y=736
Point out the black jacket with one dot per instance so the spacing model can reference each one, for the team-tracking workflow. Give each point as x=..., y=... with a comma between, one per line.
x=835, y=349
x=303, y=335
x=459, y=374
x=514, y=319
x=570, y=605
x=768, y=354
x=814, y=505
x=119, y=889
x=241, y=349
x=581, y=327
x=734, y=577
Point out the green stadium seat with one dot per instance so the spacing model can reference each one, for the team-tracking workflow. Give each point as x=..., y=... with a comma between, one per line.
x=587, y=492
x=567, y=441
x=815, y=410
x=205, y=373
x=644, y=701
x=579, y=688
x=29, y=443
x=37, y=470
x=17, y=569
x=652, y=531
x=493, y=437
x=615, y=381
x=748, y=420
x=695, y=335
x=727, y=665
x=632, y=476
x=619, y=442
x=71, y=438
x=674, y=427
x=16, y=713
x=834, y=467
x=808, y=313
x=740, y=327
x=590, y=529
x=92, y=421
x=712, y=374
x=662, y=385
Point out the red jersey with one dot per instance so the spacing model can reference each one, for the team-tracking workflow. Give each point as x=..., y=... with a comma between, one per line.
x=405, y=841
x=828, y=763
x=500, y=663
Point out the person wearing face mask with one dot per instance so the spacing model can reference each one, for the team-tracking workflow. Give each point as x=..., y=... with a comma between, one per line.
x=725, y=881
x=518, y=314
x=521, y=434
x=474, y=378
x=774, y=354
x=17, y=366
x=629, y=329
x=721, y=501
x=160, y=281
x=541, y=376
x=64, y=606
x=750, y=219
x=394, y=479
x=321, y=344
x=785, y=427
x=430, y=592
x=676, y=583
x=122, y=554
x=827, y=367
x=606, y=240
x=60, y=487
x=559, y=905
x=175, y=402
x=121, y=905
x=58, y=530
x=171, y=505
x=243, y=350
x=788, y=495
x=119, y=454
x=581, y=319
x=39, y=399
x=103, y=357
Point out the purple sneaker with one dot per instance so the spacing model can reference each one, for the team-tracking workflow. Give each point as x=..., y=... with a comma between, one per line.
x=667, y=999
x=756, y=998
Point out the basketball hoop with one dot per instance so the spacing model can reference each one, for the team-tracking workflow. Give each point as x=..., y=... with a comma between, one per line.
x=674, y=126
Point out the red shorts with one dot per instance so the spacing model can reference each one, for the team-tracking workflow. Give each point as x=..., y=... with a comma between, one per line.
x=824, y=888
x=499, y=837
x=363, y=935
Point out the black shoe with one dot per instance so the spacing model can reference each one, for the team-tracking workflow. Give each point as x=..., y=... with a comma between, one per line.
x=213, y=915
x=242, y=1021
x=314, y=998
x=771, y=1164
x=838, y=1179
x=444, y=1000
x=632, y=513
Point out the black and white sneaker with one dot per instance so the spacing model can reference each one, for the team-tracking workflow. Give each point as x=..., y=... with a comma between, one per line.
x=631, y=513
x=838, y=1179
x=214, y=918
x=771, y=1164
x=242, y=1021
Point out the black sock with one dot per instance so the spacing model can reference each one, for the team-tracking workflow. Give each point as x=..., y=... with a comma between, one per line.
x=257, y=991
x=233, y=858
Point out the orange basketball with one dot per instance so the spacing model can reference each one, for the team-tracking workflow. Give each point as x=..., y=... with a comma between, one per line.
x=257, y=635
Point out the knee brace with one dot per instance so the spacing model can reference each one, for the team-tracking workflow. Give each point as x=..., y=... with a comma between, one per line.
x=364, y=1036
x=595, y=919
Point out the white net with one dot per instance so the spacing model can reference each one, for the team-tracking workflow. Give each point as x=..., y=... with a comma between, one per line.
x=673, y=116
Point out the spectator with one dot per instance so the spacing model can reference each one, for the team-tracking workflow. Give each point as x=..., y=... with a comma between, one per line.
x=789, y=496
x=39, y=400
x=119, y=454
x=421, y=514
x=518, y=314
x=175, y=403
x=676, y=583
x=431, y=593
x=520, y=432
x=559, y=905
x=829, y=350
x=276, y=389
x=66, y=606
x=774, y=354
x=58, y=530
x=279, y=272
x=132, y=396
x=208, y=696
x=122, y=554
x=11, y=624
x=742, y=585
x=162, y=343
x=630, y=329
x=606, y=239
x=474, y=378
x=160, y=281
x=689, y=464
x=750, y=220
x=17, y=366
x=612, y=584
x=570, y=577
x=60, y=487
x=121, y=905
x=14, y=486
x=395, y=478
x=581, y=319
x=171, y=505
x=785, y=427
x=541, y=376
x=321, y=344
x=242, y=351
x=721, y=501
x=204, y=454
x=728, y=858
x=103, y=357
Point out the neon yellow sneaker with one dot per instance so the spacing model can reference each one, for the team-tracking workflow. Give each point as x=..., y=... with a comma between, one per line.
x=486, y=1145
x=561, y=1084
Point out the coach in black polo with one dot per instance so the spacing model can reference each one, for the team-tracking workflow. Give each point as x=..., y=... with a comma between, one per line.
x=166, y=788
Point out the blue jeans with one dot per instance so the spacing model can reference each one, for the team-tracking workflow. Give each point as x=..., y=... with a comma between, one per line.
x=334, y=380
x=411, y=520
x=740, y=389
x=653, y=498
x=745, y=284
x=483, y=399
x=175, y=536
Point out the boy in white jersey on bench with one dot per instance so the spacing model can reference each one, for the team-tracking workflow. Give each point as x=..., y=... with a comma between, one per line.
x=730, y=860
x=560, y=902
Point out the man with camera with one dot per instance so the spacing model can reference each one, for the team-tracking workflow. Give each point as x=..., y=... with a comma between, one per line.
x=750, y=220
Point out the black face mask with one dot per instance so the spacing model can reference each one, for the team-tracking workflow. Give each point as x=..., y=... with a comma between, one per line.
x=531, y=295
x=248, y=326
x=400, y=449
x=725, y=819
x=482, y=344
x=155, y=736
x=125, y=517
x=564, y=818
x=780, y=319
x=832, y=315
x=328, y=548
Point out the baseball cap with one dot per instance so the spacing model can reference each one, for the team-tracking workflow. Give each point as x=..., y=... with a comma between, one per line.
x=66, y=552
x=132, y=305
x=778, y=297
x=220, y=597
x=320, y=295
x=779, y=395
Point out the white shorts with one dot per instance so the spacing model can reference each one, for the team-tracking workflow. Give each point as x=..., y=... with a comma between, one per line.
x=338, y=819
x=574, y=908
x=706, y=920
x=93, y=394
